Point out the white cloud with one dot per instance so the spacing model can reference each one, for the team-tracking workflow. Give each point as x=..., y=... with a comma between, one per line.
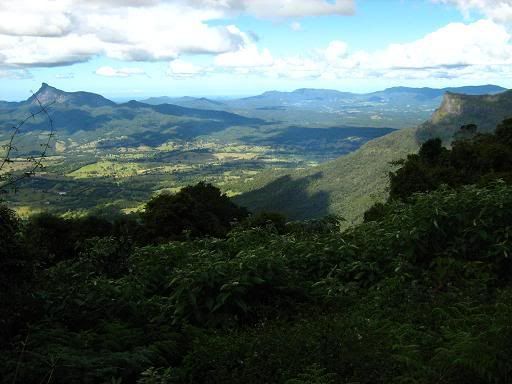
x=280, y=8
x=497, y=10
x=17, y=74
x=43, y=18
x=68, y=75
x=481, y=43
x=70, y=31
x=296, y=68
x=183, y=69
x=31, y=51
x=298, y=8
x=471, y=51
x=295, y=26
x=62, y=32
x=335, y=51
x=119, y=72
x=247, y=56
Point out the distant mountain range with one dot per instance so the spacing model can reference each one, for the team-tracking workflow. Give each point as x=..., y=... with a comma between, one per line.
x=279, y=129
x=327, y=98
x=82, y=117
x=270, y=118
x=89, y=122
x=349, y=185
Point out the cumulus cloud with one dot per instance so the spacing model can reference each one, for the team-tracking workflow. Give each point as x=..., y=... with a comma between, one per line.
x=17, y=74
x=54, y=33
x=247, y=56
x=297, y=8
x=497, y=10
x=457, y=50
x=182, y=69
x=481, y=43
x=119, y=72
x=335, y=51
x=280, y=8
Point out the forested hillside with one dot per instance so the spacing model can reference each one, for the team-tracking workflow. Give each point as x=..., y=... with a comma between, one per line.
x=194, y=291
x=350, y=184
x=458, y=109
x=346, y=186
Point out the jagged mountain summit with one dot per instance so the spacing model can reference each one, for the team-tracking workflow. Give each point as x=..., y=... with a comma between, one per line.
x=84, y=117
x=48, y=94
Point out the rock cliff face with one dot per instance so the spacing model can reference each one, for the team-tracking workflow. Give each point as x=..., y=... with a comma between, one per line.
x=451, y=106
x=486, y=111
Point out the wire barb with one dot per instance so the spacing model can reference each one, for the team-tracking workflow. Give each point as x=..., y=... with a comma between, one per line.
x=11, y=181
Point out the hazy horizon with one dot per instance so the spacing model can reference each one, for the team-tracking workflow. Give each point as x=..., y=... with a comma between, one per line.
x=120, y=99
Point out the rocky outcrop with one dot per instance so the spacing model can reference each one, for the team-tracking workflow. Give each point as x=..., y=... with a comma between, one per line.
x=48, y=94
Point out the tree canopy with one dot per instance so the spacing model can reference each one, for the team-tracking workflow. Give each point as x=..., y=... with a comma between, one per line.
x=196, y=210
x=472, y=159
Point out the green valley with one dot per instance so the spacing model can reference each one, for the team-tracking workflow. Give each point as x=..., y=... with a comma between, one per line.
x=112, y=156
x=351, y=184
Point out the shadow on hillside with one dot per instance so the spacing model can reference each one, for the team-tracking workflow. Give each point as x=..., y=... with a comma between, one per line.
x=71, y=120
x=296, y=135
x=208, y=114
x=288, y=196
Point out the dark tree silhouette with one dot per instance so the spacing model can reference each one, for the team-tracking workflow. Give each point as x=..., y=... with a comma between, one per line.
x=471, y=160
x=196, y=210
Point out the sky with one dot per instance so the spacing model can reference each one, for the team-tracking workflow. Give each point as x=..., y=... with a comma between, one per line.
x=132, y=49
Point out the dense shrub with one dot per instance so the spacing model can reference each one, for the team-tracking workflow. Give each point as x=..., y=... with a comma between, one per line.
x=196, y=210
x=382, y=302
x=423, y=294
x=473, y=159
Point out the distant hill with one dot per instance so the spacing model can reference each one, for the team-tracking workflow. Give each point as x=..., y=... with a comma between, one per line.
x=47, y=94
x=310, y=98
x=90, y=122
x=486, y=111
x=397, y=107
x=87, y=117
x=187, y=101
x=404, y=95
x=352, y=183
x=299, y=98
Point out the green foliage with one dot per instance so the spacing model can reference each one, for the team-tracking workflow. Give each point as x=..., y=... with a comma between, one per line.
x=421, y=295
x=346, y=186
x=314, y=375
x=15, y=272
x=51, y=238
x=504, y=131
x=269, y=220
x=472, y=159
x=197, y=210
x=10, y=262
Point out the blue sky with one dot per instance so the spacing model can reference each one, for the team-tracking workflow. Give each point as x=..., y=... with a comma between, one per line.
x=140, y=48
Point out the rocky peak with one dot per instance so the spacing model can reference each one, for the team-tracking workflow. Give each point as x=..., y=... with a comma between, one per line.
x=456, y=110
x=452, y=105
x=48, y=94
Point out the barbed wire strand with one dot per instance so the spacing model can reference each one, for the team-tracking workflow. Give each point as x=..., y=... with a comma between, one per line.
x=36, y=161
